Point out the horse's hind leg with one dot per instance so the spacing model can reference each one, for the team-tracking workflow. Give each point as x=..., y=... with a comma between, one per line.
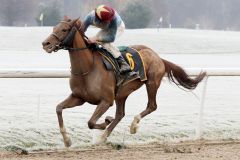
x=152, y=87
x=70, y=102
x=100, y=110
x=120, y=113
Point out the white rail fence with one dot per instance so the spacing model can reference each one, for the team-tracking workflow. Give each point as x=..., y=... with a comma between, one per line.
x=65, y=73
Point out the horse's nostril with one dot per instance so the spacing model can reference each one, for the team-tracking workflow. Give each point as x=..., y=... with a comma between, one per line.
x=45, y=43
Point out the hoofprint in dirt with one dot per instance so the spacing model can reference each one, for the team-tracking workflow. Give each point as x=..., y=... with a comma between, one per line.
x=195, y=150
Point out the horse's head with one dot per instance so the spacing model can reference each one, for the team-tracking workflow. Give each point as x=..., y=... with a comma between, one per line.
x=62, y=35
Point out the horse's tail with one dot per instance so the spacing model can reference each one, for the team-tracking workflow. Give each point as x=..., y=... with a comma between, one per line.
x=177, y=75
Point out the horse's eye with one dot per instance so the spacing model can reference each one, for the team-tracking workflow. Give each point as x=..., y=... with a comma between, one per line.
x=64, y=30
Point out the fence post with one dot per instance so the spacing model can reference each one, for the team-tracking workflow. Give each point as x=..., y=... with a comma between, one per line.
x=199, y=129
x=38, y=112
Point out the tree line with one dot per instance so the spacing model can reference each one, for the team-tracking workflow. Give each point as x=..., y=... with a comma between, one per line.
x=210, y=14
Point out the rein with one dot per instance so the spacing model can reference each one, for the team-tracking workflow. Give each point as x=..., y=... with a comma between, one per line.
x=74, y=49
x=65, y=47
x=67, y=41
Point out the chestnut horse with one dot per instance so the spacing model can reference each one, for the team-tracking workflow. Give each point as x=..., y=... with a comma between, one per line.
x=91, y=82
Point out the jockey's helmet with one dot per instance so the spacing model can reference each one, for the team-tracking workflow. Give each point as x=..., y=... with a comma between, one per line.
x=104, y=13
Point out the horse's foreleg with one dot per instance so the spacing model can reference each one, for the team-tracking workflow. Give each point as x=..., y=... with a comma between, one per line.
x=70, y=102
x=99, y=111
x=152, y=88
x=120, y=113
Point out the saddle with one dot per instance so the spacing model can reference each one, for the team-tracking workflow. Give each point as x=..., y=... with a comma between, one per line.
x=132, y=57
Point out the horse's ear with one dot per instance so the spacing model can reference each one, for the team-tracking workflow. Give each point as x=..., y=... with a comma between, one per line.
x=78, y=23
x=66, y=18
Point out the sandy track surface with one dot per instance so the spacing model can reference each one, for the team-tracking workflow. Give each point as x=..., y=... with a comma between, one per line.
x=183, y=151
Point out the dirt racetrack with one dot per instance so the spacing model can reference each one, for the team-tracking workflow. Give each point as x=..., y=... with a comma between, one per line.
x=197, y=150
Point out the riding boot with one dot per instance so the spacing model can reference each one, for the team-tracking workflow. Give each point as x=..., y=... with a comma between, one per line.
x=124, y=66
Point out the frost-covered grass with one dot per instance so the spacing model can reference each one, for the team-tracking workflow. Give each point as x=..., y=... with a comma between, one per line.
x=27, y=106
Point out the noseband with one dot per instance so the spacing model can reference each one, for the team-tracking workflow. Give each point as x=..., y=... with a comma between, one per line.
x=67, y=41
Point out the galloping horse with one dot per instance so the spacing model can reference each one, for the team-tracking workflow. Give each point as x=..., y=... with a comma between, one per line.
x=91, y=82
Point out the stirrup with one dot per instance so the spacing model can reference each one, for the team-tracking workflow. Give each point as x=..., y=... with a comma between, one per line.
x=132, y=73
x=126, y=70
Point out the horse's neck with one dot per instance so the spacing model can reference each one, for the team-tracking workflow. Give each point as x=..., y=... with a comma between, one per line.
x=81, y=61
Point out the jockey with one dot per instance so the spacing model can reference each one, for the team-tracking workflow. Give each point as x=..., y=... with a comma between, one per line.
x=112, y=26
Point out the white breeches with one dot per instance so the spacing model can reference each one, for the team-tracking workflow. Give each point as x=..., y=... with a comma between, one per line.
x=110, y=46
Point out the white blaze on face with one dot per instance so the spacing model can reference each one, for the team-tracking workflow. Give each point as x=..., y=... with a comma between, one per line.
x=101, y=9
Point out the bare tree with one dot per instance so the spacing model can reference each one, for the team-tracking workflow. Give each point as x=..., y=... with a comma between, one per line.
x=209, y=14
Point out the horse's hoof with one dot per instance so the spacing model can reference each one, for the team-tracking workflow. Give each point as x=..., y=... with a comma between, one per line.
x=133, y=129
x=68, y=142
x=108, y=120
x=99, y=137
x=100, y=140
x=134, y=125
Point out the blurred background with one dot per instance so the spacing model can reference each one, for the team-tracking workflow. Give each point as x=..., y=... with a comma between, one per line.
x=193, y=14
x=208, y=39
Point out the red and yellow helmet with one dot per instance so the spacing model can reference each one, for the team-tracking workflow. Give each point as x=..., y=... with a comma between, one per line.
x=105, y=13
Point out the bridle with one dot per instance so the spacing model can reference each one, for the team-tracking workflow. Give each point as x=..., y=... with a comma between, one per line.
x=67, y=41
